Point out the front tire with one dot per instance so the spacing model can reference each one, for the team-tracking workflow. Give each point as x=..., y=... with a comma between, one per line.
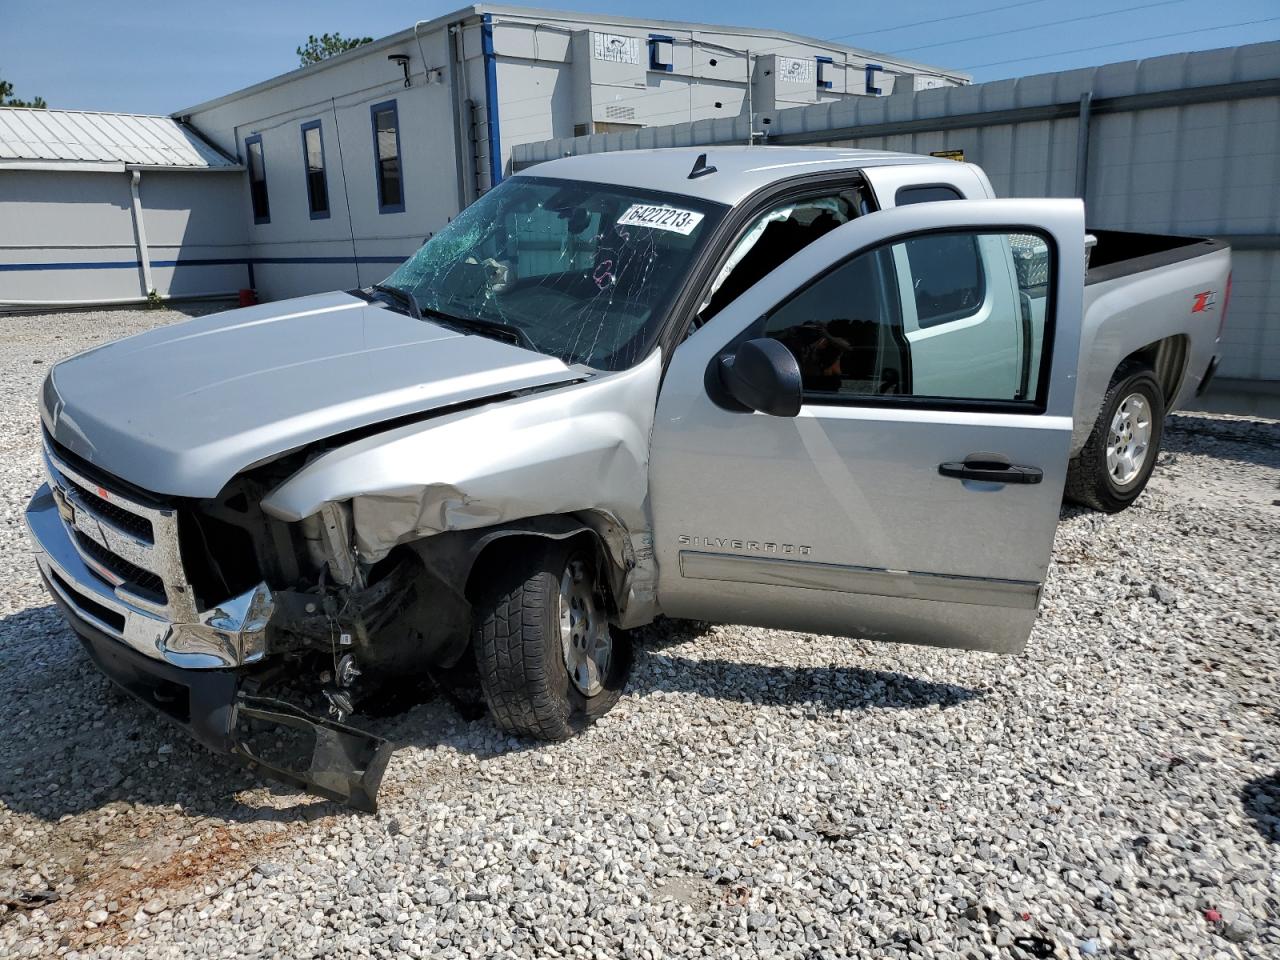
x=549, y=663
x=1112, y=470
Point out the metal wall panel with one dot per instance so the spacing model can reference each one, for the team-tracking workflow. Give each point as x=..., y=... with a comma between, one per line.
x=67, y=236
x=1187, y=143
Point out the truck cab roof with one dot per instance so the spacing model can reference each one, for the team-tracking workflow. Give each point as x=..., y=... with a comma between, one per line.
x=739, y=170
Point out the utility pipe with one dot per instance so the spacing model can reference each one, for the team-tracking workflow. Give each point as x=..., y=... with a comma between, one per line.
x=140, y=234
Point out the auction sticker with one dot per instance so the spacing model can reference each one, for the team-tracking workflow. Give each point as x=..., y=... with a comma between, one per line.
x=660, y=217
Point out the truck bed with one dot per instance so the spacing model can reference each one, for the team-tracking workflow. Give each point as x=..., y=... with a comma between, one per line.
x=1155, y=293
x=1119, y=253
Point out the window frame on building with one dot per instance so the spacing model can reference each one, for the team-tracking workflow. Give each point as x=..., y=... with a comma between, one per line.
x=656, y=42
x=824, y=67
x=387, y=106
x=251, y=141
x=324, y=214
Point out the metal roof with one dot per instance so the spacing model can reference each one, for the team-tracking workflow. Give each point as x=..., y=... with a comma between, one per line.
x=82, y=137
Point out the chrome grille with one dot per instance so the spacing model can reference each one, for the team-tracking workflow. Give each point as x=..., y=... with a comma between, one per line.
x=129, y=545
x=117, y=516
x=123, y=573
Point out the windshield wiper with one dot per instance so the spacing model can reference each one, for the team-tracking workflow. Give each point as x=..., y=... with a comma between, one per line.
x=400, y=296
x=496, y=328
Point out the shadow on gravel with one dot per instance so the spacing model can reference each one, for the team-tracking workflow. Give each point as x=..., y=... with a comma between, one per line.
x=73, y=743
x=1245, y=442
x=831, y=688
x=835, y=688
x=1261, y=799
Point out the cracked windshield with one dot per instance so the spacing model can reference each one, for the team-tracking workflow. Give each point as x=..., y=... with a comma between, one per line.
x=581, y=271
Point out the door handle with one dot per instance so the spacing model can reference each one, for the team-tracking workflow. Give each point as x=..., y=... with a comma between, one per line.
x=991, y=468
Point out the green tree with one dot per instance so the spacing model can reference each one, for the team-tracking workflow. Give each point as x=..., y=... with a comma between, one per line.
x=328, y=45
x=7, y=99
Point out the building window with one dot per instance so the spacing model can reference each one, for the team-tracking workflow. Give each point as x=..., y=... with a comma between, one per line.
x=826, y=67
x=386, y=156
x=662, y=53
x=257, y=179
x=313, y=161
x=871, y=70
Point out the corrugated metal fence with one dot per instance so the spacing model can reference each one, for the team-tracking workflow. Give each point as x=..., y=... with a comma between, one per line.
x=1188, y=143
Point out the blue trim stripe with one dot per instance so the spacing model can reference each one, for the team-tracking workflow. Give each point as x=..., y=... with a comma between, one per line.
x=86, y=265
x=244, y=261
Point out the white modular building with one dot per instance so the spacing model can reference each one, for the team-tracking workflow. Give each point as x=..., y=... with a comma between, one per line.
x=352, y=162
x=108, y=207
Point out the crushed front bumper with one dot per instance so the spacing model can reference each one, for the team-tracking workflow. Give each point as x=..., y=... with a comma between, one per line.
x=114, y=555
x=207, y=689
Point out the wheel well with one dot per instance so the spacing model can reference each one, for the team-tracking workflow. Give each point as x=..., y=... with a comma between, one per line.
x=1167, y=358
x=497, y=551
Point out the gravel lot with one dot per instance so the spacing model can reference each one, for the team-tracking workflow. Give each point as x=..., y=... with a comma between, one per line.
x=1114, y=791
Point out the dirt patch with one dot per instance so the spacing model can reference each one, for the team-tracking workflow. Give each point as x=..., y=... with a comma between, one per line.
x=156, y=874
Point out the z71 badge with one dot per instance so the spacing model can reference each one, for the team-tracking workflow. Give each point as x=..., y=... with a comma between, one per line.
x=1204, y=301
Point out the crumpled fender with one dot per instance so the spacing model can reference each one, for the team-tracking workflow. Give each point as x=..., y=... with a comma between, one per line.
x=580, y=447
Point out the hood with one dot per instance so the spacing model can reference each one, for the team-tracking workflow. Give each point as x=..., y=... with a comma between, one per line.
x=182, y=409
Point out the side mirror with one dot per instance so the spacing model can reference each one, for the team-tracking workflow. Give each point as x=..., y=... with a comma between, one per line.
x=763, y=375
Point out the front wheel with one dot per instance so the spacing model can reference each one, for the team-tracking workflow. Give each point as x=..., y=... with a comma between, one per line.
x=1113, y=468
x=549, y=663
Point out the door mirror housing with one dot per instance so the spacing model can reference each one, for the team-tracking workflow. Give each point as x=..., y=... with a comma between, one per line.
x=763, y=375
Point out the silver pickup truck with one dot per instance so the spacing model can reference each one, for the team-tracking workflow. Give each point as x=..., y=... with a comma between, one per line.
x=834, y=391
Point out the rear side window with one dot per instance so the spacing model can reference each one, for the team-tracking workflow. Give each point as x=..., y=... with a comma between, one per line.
x=947, y=269
x=257, y=179
x=313, y=159
x=386, y=157
x=927, y=193
x=946, y=277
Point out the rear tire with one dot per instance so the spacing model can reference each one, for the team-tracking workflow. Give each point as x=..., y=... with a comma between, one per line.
x=549, y=663
x=1112, y=470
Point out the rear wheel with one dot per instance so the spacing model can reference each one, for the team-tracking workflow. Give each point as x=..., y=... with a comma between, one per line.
x=549, y=663
x=1113, y=468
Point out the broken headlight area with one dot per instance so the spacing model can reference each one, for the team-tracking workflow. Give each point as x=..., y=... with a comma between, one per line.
x=335, y=654
x=343, y=639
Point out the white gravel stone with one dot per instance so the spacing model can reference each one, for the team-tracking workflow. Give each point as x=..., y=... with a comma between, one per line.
x=1113, y=791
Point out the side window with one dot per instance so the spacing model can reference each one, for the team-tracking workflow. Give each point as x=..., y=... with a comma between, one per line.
x=386, y=157
x=852, y=331
x=776, y=236
x=257, y=179
x=313, y=164
x=846, y=332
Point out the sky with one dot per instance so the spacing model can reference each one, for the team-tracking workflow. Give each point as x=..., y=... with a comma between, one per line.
x=159, y=56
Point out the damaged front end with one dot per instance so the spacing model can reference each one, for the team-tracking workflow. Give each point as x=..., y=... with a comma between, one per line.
x=238, y=628
x=329, y=580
